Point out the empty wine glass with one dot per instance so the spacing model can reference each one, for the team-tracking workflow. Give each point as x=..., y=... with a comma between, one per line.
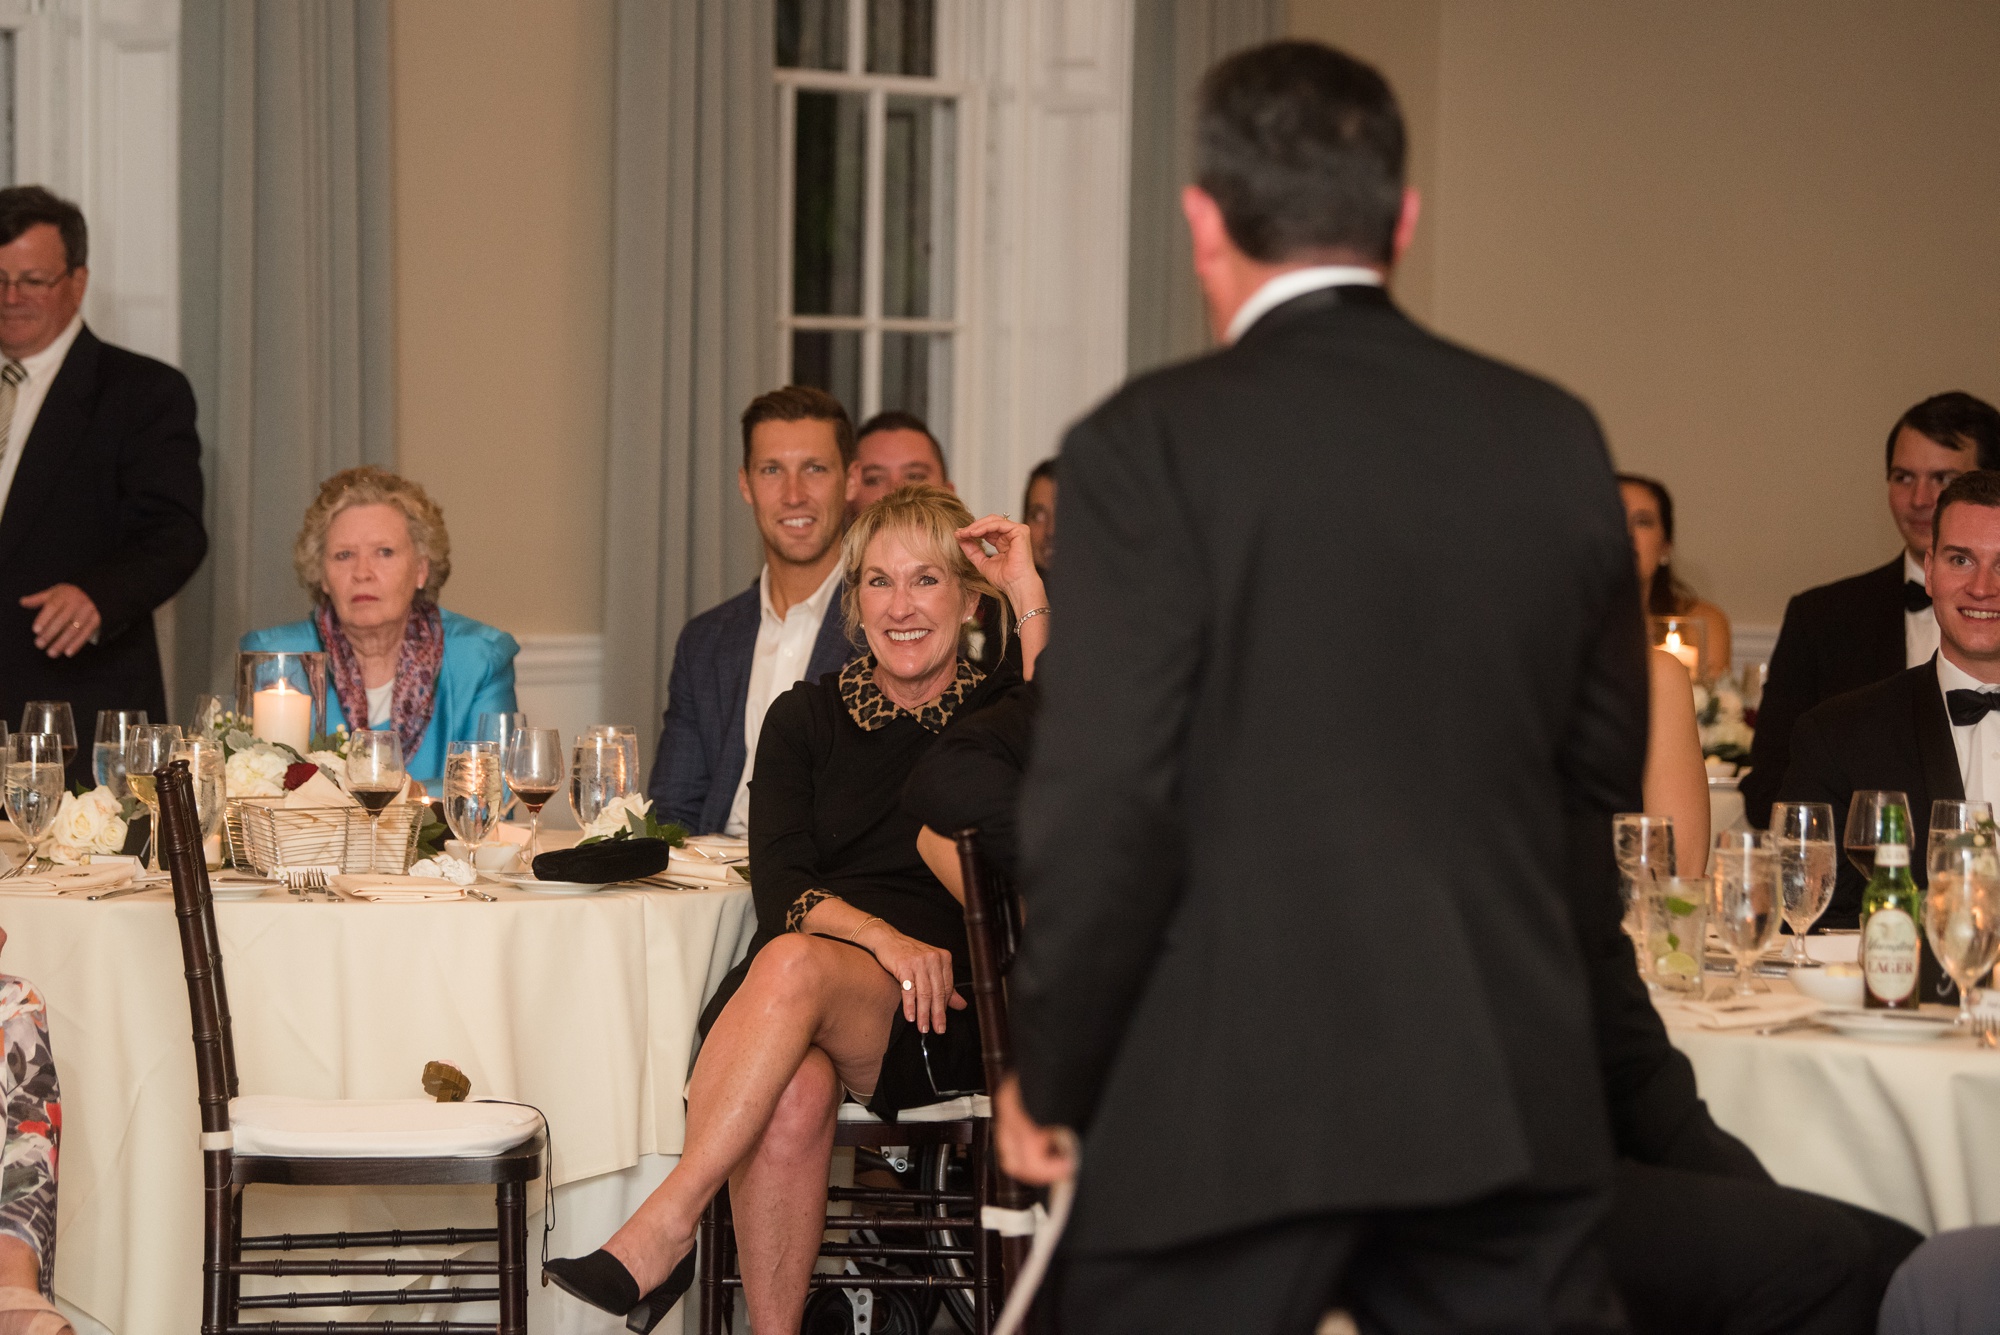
x=1962, y=912
x=107, y=752
x=207, y=712
x=34, y=784
x=1745, y=906
x=1866, y=811
x=536, y=767
x=472, y=792
x=147, y=750
x=499, y=727
x=1644, y=846
x=204, y=758
x=52, y=716
x=628, y=739
x=596, y=776
x=1802, y=842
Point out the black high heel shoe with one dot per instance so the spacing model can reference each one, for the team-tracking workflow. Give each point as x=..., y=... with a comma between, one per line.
x=602, y=1280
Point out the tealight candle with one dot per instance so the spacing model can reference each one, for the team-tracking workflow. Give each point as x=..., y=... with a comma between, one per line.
x=1689, y=655
x=283, y=714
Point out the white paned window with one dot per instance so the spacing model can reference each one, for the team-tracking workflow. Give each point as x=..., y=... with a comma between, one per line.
x=872, y=134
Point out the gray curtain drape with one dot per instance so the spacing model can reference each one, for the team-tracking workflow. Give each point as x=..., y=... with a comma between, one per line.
x=287, y=312
x=693, y=325
x=1173, y=44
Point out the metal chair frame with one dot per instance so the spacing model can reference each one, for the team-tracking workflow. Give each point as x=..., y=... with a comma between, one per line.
x=225, y=1173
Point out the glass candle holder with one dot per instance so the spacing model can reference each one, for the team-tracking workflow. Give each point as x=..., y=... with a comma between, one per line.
x=1686, y=638
x=282, y=697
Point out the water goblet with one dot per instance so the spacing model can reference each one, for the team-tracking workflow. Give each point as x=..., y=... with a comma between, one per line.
x=33, y=789
x=1962, y=912
x=596, y=776
x=107, y=752
x=536, y=766
x=146, y=751
x=1802, y=842
x=499, y=727
x=52, y=716
x=376, y=777
x=204, y=758
x=1952, y=815
x=1745, y=905
x=628, y=738
x=1644, y=846
x=472, y=792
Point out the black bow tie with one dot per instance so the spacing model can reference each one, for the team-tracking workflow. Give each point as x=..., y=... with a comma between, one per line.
x=1915, y=597
x=1968, y=707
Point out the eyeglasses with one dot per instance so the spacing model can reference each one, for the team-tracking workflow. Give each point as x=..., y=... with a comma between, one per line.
x=31, y=285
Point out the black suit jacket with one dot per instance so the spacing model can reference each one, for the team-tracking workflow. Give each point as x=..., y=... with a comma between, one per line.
x=1294, y=832
x=1836, y=638
x=108, y=498
x=1894, y=734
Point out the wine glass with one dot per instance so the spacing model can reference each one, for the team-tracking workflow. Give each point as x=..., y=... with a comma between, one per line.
x=1865, y=814
x=204, y=758
x=499, y=727
x=1745, y=905
x=472, y=792
x=107, y=752
x=1645, y=849
x=596, y=776
x=1951, y=815
x=207, y=711
x=1802, y=842
x=146, y=750
x=627, y=738
x=52, y=716
x=1962, y=912
x=535, y=769
x=375, y=776
x=34, y=784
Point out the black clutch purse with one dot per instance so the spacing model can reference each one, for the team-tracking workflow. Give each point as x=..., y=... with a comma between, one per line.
x=611, y=860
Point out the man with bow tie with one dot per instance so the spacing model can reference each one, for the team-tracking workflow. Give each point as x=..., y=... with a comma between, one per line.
x=1933, y=730
x=1859, y=630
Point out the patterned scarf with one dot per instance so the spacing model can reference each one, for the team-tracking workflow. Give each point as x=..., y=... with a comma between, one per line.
x=416, y=672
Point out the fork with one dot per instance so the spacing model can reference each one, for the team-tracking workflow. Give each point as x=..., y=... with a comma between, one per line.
x=302, y=881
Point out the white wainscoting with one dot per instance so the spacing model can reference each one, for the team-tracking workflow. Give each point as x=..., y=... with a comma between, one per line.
x=560, y=681
x=1751, y=642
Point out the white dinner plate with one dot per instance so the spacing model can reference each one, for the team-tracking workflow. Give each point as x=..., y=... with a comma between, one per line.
x=527, y=881
x=1885, y=1026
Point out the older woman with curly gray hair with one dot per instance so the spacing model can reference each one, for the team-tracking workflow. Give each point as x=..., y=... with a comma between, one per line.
x=373, y=553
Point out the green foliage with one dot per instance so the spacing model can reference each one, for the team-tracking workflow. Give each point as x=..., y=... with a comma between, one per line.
x=643, y=827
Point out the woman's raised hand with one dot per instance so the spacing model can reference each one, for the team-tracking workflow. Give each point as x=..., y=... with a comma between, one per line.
x=922, y=971
x=1012, y=566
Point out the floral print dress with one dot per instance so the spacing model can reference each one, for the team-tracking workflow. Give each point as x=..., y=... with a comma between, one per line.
x=34, y=1125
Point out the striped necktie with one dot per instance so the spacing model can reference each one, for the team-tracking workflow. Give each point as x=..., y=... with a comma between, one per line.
x=11, y=376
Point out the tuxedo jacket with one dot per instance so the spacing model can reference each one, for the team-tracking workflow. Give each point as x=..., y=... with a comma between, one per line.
x=108, y=497
x=1293, y=836
x=701, y=755
x=1894, y=734
x=1835, y=638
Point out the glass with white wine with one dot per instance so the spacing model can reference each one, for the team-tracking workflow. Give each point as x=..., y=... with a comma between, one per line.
x=146, y=750
x=1962, y=912
x=34, y=784
x=472, y=793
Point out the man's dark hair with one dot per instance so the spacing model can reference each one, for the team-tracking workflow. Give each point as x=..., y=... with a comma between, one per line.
x=25, y=206
x=1955, y=420
x=895, y=419
x=800, y=403
x=1979, y=487
x=1302, y=148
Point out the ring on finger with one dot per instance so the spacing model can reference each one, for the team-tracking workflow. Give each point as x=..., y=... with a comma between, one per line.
x=908, y=985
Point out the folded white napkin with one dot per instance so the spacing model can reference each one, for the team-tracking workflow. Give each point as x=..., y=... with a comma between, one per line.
x=88, y=880
x=318, y=791
x=388, y=888
x=1760, y=1010
x=690, y=864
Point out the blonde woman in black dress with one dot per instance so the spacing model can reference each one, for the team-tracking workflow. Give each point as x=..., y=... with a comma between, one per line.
x=852, y=986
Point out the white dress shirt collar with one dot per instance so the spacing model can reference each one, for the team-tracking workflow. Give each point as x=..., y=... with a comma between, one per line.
x=46, y=362
x=1296, y=283
x=815, y=605
x=1977, y=744
x=1920, y=628
x=42, y=368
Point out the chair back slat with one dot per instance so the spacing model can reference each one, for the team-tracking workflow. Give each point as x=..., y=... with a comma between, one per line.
x=989, y=929
x=201, y=958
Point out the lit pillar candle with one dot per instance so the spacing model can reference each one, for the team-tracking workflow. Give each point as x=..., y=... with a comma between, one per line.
x=1687, y=653
x=279, y=713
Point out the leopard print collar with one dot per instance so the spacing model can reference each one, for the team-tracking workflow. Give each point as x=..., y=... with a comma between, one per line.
x=871, y=709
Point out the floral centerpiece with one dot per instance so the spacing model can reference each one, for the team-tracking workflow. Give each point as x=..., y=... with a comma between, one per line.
x=253, y=767
x=86, y=824
x=1725, y=727
x=630, y=817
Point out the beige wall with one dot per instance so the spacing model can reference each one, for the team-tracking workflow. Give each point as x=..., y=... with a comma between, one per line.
x=1750, y=235
x=503, y=235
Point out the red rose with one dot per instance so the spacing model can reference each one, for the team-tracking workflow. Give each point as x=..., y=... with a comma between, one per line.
x=299, y=773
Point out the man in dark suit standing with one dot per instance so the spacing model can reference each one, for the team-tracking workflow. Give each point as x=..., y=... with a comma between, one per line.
x=1845, y=635
x=100, y=484
x=733, y=660
x=1301, y=965
x=1927, y=732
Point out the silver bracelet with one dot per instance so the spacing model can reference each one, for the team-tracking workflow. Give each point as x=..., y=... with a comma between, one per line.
x=1026, y=617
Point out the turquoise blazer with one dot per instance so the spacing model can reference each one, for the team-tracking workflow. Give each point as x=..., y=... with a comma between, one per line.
x=476, y=675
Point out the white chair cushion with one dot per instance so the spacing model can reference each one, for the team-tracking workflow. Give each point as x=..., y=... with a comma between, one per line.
x=951, y=1110
x=376, y=1128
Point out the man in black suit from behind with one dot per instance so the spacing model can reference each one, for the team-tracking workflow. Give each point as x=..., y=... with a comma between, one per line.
x=1925, y=732
x=100, y=485
x=1300, y=966
x=1845, y=635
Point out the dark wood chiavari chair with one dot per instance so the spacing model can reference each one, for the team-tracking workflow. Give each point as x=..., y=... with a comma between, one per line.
x=346, y=1160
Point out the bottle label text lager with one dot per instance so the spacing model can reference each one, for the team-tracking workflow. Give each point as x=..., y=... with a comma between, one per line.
x=1891, y=943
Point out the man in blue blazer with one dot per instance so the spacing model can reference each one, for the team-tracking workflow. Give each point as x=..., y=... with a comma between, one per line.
x=733, y=660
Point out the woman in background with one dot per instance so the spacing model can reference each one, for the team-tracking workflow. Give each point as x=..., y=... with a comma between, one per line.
x=1649, y=515
x=373, y=553
x=1038, y=511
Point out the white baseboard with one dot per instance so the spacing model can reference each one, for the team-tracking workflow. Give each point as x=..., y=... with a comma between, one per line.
x=1751, y=643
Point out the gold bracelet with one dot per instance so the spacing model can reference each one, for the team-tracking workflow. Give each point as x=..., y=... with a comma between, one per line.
x=864, y=922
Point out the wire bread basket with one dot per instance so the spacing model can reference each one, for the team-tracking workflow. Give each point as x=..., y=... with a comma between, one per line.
x=266, y=835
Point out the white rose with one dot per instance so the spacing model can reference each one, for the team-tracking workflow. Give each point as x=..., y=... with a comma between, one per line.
x=111, y=828
x=616, y=816
x=257, y=772
x=77, y=823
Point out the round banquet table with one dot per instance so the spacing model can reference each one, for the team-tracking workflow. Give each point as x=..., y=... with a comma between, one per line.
x=584, y=1006
x=1908, y=1129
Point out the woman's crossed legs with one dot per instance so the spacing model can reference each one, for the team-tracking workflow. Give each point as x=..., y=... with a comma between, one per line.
x=812, y=1016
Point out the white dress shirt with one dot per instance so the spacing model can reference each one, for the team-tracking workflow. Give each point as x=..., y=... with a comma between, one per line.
x=1978, y=744
x=28, y=395
x=1920, y=629
x=784, y=650
x=1296, y=283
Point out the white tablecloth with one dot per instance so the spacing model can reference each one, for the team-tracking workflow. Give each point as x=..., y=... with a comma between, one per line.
x=584, y=1006
x=1911, y=1130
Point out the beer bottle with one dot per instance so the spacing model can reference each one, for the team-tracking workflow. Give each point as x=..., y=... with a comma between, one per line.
x=1891, y=917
